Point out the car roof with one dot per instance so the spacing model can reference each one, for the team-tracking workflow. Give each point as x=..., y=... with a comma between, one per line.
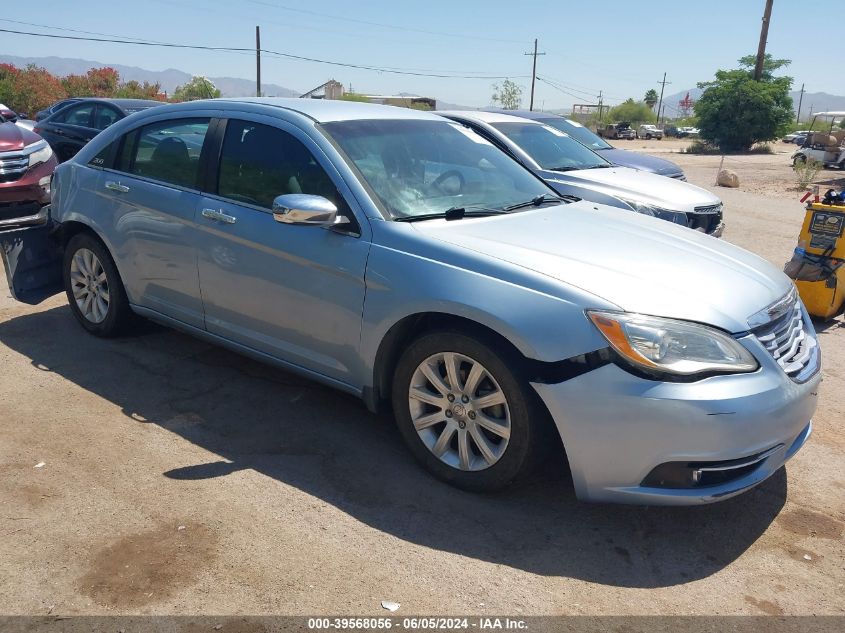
x=486, y=117
x=534, y=115
x=328, y=110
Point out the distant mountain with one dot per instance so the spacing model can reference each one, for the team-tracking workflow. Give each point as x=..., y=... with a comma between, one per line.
x=818, y=101
x=168, y=79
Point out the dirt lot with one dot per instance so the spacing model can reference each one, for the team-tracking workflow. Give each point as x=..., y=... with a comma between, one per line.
x=180, y=478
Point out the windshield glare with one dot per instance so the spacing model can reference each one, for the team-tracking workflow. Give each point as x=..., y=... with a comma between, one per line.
x=578, y=132
x=551, y=148
x=418, y=167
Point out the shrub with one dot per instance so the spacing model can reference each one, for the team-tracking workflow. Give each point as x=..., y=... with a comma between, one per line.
x=806, y=172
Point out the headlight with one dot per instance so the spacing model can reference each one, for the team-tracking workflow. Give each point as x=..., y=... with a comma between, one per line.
x=670, y=346
x=39, y=152
x=677, y=217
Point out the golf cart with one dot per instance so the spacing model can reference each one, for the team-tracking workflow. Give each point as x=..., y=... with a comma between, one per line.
x=826, y=147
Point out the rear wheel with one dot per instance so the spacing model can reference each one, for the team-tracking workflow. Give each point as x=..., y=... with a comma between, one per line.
x=464, y=414
x=93, y=287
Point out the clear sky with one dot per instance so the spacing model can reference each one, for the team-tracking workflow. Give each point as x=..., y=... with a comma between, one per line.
x=620, y=47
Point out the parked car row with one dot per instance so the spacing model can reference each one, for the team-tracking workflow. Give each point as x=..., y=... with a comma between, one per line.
x=413, y=260
x=574, y=170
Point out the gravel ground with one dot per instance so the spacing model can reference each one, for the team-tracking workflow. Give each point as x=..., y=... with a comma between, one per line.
x=181, y=478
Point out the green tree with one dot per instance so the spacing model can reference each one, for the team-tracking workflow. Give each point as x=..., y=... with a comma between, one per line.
x=635, y=112
x=135, y=90
x=30, y=89
x=651, y=97
x=197, y=88
x=735, y=112
x=507, y=95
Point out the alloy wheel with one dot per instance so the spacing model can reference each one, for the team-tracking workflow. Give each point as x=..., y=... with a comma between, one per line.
x=90, y=285
x=459, y=411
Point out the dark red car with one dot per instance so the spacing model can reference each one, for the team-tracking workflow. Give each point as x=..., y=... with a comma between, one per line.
x=26, y=167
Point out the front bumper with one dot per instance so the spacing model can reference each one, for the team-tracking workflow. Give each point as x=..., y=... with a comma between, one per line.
x=617, y=428
x=25, y=201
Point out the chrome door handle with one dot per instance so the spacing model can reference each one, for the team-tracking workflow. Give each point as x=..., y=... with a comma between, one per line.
x=116, y=186
x=219, y=216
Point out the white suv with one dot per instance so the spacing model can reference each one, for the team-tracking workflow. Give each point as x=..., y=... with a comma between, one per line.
x=649, y=132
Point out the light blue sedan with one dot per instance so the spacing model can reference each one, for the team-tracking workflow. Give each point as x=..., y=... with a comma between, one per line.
x=401, y=257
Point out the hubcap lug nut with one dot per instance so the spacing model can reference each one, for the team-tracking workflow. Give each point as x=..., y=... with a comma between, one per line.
x=450, y=397
x=448, y=414
x=472, y=415
x=465, y=398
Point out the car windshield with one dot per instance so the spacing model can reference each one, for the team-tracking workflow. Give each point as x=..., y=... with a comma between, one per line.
x=578, y=132
x=551, y=148
x=419, y=167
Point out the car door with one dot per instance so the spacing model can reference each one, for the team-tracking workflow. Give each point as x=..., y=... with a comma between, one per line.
x=69, y=129
x=148, y=196
x=293, y=292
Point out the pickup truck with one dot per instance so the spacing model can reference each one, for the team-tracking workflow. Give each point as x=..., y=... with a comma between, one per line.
x=617, y=131
x=649, y=132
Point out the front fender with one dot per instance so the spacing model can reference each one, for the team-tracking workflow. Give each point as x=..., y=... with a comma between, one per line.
x=541, y=325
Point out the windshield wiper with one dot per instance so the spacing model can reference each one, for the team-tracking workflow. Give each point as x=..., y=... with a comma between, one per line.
x=454, y=213
x=540, y=200
x=600, y=166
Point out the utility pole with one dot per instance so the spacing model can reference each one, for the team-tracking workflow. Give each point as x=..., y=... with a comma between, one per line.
x=800, y=99
x=660, y=103
x=600, y=105
x=533, y=73
x=764, y=35
x=257, y=61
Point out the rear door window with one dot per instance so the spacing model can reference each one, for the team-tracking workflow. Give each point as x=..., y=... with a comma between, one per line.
x=168, y=151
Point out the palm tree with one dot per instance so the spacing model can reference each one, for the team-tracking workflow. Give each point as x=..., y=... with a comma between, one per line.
x=651, y=97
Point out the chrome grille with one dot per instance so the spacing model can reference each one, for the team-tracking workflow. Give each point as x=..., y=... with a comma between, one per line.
x=13, y=165
x=789, y=339
x=713, y=208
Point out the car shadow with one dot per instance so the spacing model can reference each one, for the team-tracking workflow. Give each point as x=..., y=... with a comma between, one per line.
x=328, y=445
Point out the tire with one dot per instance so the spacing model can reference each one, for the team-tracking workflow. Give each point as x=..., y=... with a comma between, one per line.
x=648, y=137
x=519, y=420
x=799, y=160
x=93, y=287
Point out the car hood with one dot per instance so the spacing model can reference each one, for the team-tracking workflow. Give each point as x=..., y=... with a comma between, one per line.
x=643, y=162
x=13, y=137
x=641, y=186
x=638, y=263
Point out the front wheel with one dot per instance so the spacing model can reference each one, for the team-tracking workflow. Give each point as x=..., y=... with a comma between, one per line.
x=464, y=413
x=93, y=287
x=799, y=160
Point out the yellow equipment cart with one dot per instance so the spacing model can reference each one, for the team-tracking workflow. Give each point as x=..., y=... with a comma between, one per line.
x=817, y=263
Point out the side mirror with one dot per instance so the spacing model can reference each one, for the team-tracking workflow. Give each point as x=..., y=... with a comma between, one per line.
x=301, y=208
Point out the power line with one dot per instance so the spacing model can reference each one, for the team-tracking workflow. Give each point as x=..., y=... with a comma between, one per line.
x=463, y=36
x=394, y=71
